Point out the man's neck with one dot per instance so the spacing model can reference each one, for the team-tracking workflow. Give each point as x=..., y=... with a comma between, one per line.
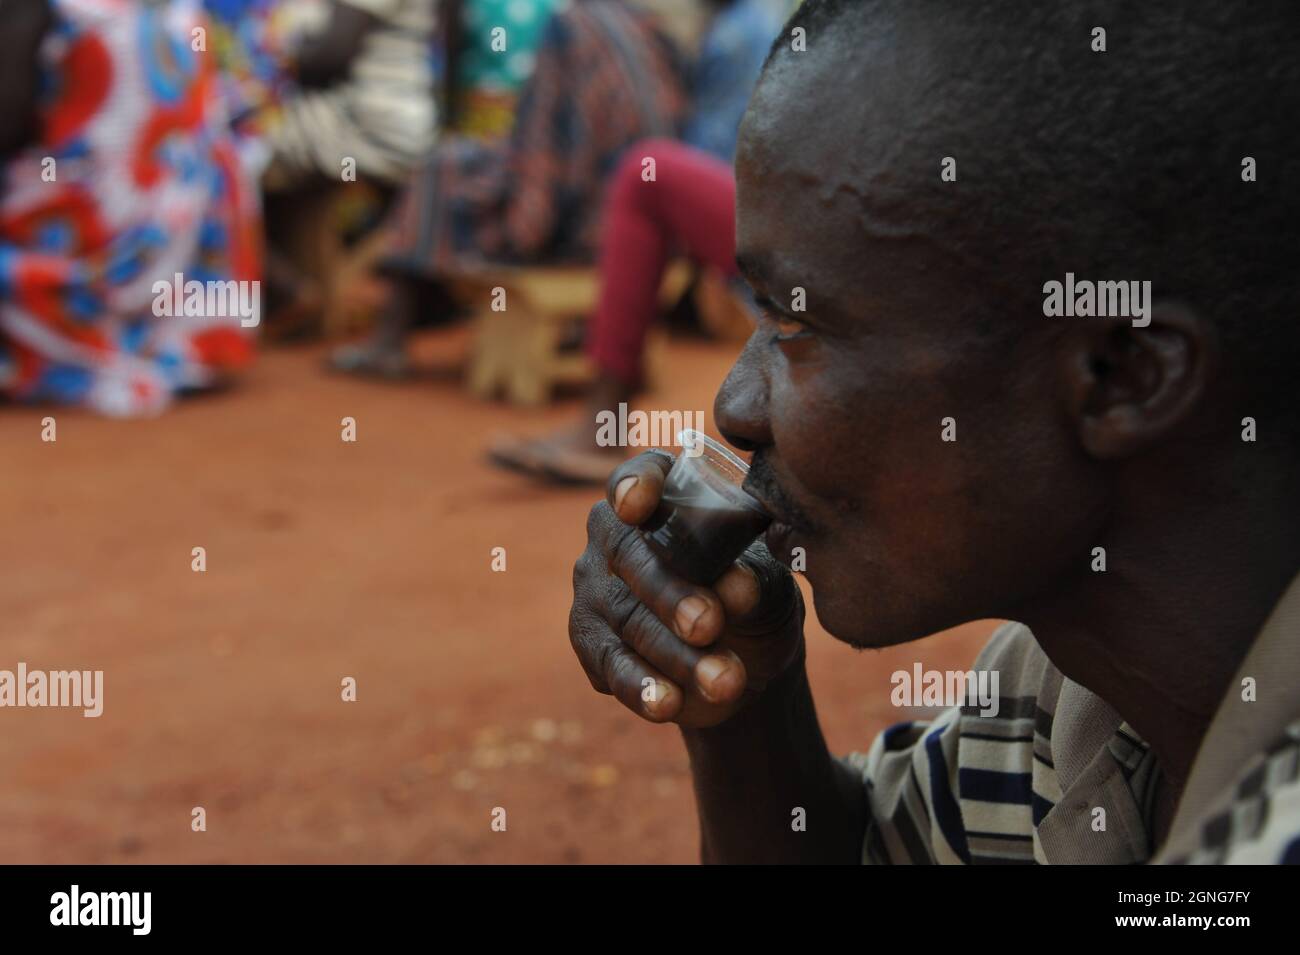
x=1160, y=633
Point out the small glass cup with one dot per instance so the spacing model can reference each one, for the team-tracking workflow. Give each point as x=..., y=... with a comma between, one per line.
x=704, y=520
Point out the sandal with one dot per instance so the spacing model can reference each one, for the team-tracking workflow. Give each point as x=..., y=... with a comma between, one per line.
x=551, y=460
x=366, y=361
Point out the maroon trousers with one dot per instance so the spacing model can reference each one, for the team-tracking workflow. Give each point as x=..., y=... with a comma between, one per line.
x=689, y=207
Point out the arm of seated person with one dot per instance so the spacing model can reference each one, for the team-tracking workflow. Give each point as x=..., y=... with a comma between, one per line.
x=324, y=59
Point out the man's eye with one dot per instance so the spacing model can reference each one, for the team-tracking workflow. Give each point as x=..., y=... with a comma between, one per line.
x=788, y=329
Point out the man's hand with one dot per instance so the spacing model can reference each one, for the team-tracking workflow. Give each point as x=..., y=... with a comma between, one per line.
x=667, y=649
x=726, y=663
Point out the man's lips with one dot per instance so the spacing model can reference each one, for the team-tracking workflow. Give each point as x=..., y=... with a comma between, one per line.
x=778, y=532
x=779, y=517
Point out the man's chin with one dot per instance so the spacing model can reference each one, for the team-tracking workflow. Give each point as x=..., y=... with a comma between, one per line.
x=859, y=625
x=842, y=605
x=871, y=641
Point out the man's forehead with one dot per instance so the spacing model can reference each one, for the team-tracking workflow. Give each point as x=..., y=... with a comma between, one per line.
x=787, y=123
x=835, y=116
x=798, y=191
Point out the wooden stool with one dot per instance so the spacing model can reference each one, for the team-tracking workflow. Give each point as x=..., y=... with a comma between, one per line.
x=316, y=246
x=350, y=268
x=518, y=350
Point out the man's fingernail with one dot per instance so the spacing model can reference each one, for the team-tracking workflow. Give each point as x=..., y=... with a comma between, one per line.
x=713, y=674
x=658, y=702
x=689, y=611
x=621, y=489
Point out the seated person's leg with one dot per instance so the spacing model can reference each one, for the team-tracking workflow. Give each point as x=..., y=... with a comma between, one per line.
x=443, y=217
x=690, y=205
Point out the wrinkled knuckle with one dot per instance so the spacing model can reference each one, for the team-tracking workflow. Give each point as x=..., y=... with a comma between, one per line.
x=577, y=628
x=620, y=671
x=598, y=518
x=589, y=650
x=597, y=681
x=582, y=570
x=631, y=558
x=602, y=659
x=620, y=604
x=641, y=623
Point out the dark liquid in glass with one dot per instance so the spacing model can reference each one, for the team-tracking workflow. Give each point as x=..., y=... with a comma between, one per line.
x=703, y=524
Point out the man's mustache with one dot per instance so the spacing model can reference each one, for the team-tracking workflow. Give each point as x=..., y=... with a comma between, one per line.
x=762, y=484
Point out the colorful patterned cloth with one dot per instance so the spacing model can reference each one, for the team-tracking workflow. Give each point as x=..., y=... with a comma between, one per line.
x=604, y=79
x=522, y=22
x=134, y=179
x=249, y=53
x=490, y=78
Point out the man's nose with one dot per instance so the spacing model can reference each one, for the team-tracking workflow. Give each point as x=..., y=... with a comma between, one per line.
x=741, y=407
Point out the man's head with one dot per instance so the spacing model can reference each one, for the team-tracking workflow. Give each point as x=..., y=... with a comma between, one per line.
x=925, y=294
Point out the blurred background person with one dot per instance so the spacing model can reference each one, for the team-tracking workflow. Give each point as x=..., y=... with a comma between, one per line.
x=482, y=85
x=736, y=39
x=360, y=108
x=605, y=77
x=119, y=170
x=689, y=209
x=364, y=92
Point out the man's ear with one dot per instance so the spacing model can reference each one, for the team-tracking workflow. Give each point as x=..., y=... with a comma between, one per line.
x=1129, y=387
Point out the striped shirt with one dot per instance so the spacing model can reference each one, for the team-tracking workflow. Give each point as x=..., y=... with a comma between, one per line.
x=1057, y=776
x=382, y=116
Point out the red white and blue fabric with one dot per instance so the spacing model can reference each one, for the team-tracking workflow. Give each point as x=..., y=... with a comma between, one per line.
x=134, y=178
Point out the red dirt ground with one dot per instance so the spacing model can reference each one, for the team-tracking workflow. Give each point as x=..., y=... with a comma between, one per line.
x=327, y=560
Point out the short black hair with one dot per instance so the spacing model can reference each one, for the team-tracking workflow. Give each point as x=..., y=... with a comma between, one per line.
x=1123, y=164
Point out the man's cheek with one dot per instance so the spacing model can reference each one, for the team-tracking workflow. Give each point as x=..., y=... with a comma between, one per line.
x=822, y=445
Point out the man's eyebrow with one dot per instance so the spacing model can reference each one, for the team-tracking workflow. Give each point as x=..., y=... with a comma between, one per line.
x=757, y=271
